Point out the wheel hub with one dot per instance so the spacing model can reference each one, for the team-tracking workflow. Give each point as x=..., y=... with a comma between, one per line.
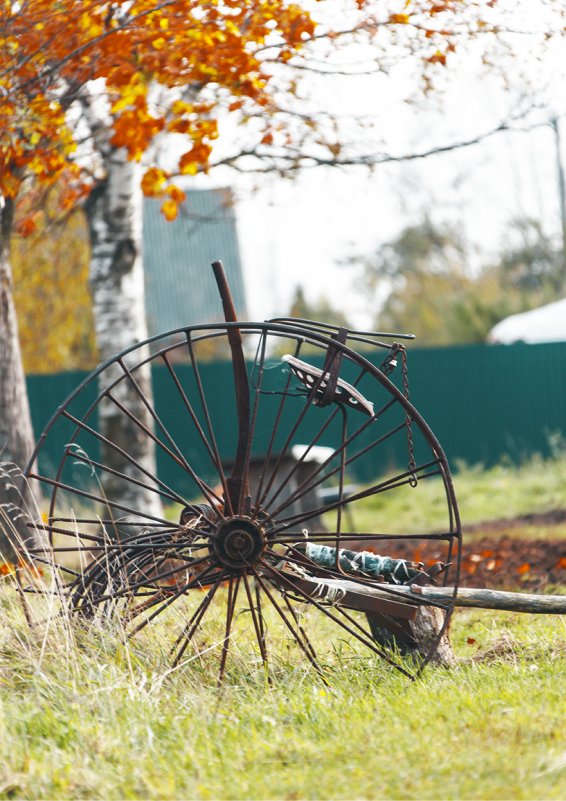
x=239, y=543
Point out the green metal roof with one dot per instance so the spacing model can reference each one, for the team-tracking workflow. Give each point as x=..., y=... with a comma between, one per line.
x=179, y=283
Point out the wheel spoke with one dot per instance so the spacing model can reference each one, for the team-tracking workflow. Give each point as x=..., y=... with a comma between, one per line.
x=400, y=480
x=260, y=492
x=285, y=481
x=96, y=498
x=174, y=596
x=364, y=639
x=233, y=587
x=257, y=396
x=80, y=535
x=131, y=587
x=101, y=438
x=309, y=484
x=169, y=496
x=213, y=456
x=193, y=624
x=106, y=521
x=306, y=649
x=341, y=490
x=214, y=444
x=207, y=491
x=257, y=619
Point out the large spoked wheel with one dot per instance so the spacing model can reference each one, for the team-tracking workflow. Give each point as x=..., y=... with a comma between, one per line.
x=265, y=518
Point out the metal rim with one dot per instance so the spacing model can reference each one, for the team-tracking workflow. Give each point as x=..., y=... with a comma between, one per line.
x=248, y=558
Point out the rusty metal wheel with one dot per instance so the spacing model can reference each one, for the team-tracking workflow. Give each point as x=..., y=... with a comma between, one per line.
x=275, y=482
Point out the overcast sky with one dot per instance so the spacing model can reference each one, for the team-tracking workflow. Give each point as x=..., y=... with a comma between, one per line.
x=300, y=232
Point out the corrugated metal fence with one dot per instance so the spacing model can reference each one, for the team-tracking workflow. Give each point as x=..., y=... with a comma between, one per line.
x=484, y=403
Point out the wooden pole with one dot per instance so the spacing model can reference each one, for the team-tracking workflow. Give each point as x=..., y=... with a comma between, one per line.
x=497, y=599
x=466, y=597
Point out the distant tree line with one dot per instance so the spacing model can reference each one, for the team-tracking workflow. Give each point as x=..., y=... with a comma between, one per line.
x=439, y=291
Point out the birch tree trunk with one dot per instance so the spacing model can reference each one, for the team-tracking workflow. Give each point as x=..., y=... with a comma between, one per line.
x=114, y=214
x=16, y=432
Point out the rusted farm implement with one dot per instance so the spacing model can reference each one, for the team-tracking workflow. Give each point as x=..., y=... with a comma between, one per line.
x=262, y=527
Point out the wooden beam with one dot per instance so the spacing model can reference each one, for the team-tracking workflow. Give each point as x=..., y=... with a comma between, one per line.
x=363, y=602
x=466, y=596
x=496, y=599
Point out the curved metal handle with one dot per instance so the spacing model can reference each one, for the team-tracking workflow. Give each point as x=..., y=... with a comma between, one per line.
x=238, y=481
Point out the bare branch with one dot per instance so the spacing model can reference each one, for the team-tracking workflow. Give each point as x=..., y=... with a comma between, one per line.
x=298, y=160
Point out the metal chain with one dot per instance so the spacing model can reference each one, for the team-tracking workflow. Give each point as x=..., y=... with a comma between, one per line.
x=412, y=465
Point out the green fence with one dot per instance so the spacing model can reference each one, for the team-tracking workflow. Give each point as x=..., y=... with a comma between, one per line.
x=484, y=403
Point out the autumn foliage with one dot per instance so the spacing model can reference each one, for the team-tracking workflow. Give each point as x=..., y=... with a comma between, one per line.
x=179, y=67
x=50, y=264
x=51, y=51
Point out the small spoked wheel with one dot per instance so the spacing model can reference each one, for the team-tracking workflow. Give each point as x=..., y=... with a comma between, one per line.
x=275, y=488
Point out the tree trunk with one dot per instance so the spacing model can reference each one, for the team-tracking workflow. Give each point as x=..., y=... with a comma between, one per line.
x=114, y=214
x=16, y=432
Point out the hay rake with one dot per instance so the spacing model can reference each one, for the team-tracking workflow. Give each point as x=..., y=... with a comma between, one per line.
x=257, y=530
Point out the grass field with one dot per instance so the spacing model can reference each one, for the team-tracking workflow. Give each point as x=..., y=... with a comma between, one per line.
x=86, y=714
x=504, y=491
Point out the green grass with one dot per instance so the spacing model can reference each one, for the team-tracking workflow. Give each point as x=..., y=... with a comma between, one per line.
x=504, y=491
x=85, y=716
x=508, y=491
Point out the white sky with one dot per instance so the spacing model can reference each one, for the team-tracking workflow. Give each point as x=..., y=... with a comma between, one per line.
x=299, y=232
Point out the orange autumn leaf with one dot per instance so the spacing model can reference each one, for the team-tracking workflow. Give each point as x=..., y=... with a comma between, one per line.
x=45, y=47
x=169, y=209
x=399, y=19
x=30, y=569
x=197, y=156
x=26, y=227
x=437, y=58
x=180, y=126
x=524, y=568
x=176, y=194
x=561, y=564
x=9, y=569
x=153, y=181
x=9, y=184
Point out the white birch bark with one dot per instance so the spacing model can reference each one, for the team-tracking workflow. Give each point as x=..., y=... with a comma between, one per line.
x=114, y=213
x=16, y=432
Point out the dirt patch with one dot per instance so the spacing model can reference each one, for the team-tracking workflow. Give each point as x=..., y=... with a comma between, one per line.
x=494, y=558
